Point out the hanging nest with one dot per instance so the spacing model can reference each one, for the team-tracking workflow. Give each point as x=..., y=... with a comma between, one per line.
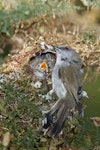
x=37, y=60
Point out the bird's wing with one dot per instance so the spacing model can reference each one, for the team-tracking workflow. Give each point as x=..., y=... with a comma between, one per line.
x=71, y=77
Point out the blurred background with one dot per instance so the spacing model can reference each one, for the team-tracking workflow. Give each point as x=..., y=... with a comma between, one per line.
x=22, y=21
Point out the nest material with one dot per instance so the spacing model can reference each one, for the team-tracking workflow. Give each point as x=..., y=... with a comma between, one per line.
x=29, y=59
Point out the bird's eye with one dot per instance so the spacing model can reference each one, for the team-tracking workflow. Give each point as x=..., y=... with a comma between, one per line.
x=75, y=61
x=63, y=59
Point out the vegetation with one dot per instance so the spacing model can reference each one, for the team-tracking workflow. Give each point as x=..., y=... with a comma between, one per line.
x=29, y=9
x=21, y=117
x=25, y=10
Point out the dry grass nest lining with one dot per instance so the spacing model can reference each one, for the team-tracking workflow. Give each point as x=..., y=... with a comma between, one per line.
x=89, y=52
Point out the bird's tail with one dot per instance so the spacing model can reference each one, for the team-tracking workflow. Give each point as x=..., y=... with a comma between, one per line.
x=58, y=114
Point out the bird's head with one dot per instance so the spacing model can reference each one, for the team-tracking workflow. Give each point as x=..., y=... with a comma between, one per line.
x=66, y=56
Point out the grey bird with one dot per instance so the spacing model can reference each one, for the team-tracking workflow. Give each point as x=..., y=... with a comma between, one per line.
x=67, y=84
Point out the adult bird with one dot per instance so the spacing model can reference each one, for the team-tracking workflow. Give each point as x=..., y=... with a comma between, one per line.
x=67, y=84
